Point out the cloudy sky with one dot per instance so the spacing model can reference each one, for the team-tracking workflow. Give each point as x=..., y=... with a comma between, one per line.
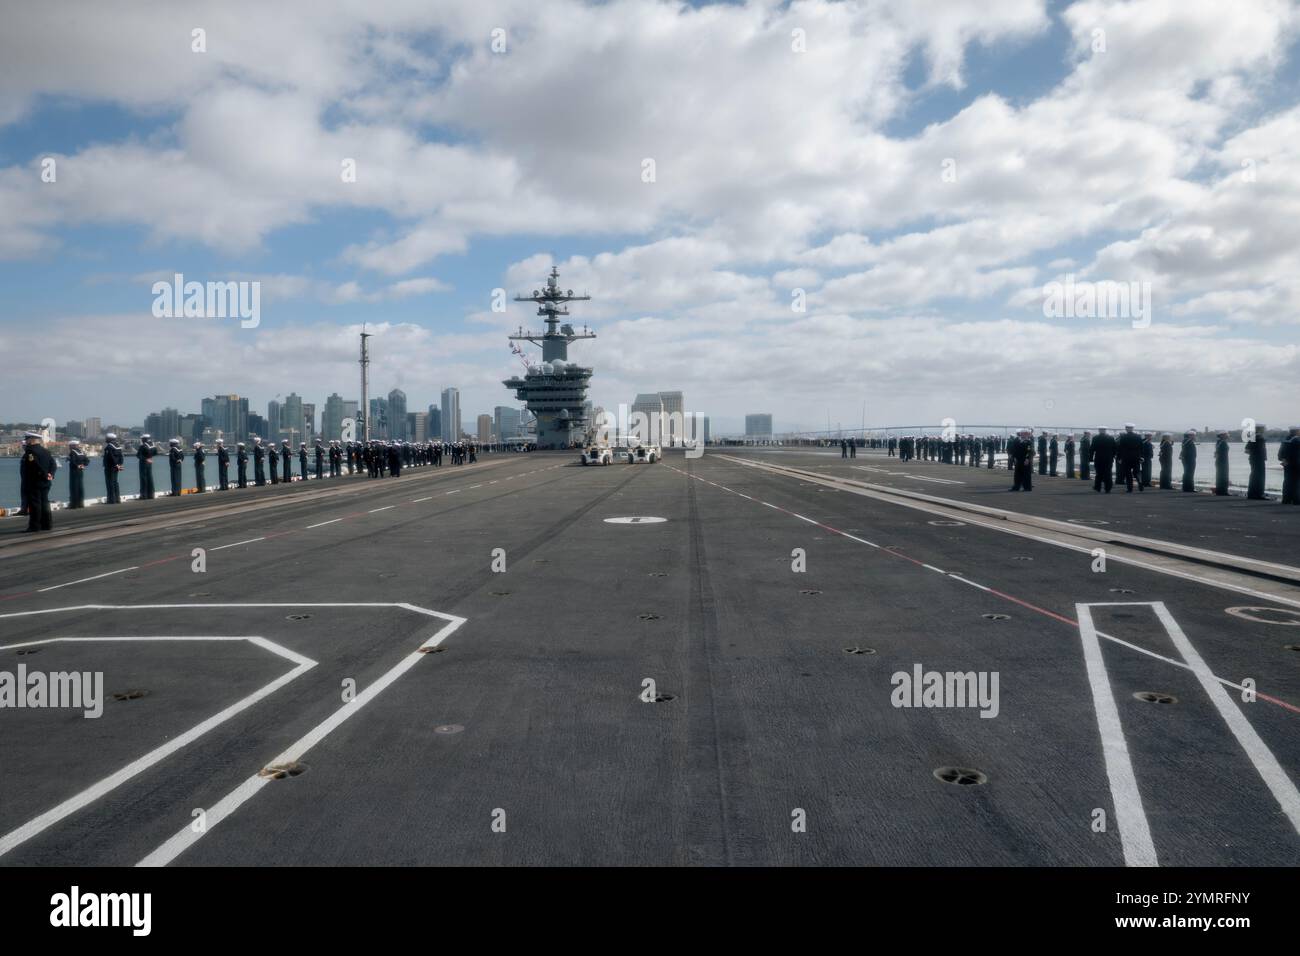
x=914, y=174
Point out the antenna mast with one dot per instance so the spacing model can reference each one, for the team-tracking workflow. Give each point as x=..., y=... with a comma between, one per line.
x=365, y=387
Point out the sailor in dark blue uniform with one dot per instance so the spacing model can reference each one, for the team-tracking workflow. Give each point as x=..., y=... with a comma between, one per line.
x=1187, y=455
x=1085, y=455
x=1148, y=455
x=320, y=461
x=1129, y=453
x=1104, y=448
x=1221, y=464
x=144, y=455
x=302, y=461
x=1166, y=456
x=286, y=460
x=200, y=471
x=37, y=472
x=1288, y=453
x=1053, y=455
x=273, y=460
x=1257, y=452
x=241, y=465
x=223, y=466
x=1042, y=454
x=1021, y=453
x=114, y=462
x=394, y=460
x=175, y=458
x=259, y=469
x=1069, y=455
x=77, y=461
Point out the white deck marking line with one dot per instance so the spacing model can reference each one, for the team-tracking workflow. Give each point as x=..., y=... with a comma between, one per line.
x=374, y=510
x=237, y=544
x=418, y=500
x=1102, y=634
x=155, y=607
x=455, y=491
x=472, y=487
x=933, y=568
x=107, y=574
x=492, y=482
x=981, y=522
x=228, y=804
x=1134, y=832
x=322, y=524
x=92, y=793
x=1265, y=763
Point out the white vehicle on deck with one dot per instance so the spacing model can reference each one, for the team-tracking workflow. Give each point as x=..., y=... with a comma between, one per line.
x=597, y=455
x=643, y=454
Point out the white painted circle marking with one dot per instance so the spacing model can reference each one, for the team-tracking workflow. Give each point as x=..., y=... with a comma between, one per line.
x=1244, y=612
x=637, y=519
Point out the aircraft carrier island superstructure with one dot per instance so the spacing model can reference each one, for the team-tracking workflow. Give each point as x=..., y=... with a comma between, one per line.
x=556, y=390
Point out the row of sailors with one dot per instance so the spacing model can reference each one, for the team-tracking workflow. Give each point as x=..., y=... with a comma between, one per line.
x=378, y=458
x=1131, y=453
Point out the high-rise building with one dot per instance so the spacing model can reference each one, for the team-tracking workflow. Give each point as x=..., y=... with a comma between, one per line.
x=435, y=423
x=397, y=415
x=331, y=418
x=309, y=421
x=293, y=425
x=73, y=430
x=350, y=413
x=257, y=425
x=706, y=429
x=417, y=426
x=189, y=428
x=485, y=428
x=674, y=418
x=171, y=423
x=651, y=405
x=227, y=415
x=506, y=419
x=379, y=418
x=758, y=425
x=92, y=429
x=451, y=414
x=153, y=425
x=273, y=412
